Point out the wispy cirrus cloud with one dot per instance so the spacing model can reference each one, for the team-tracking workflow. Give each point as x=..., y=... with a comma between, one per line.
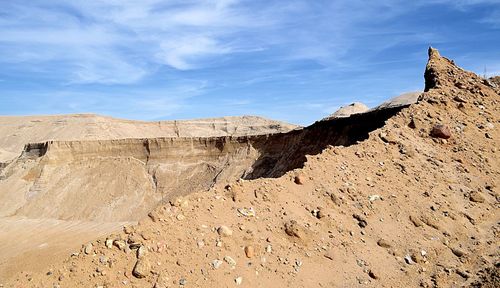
x=106, y=53
x=113, y=42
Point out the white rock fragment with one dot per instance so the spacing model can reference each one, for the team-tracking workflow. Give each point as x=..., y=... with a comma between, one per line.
x=247, y=212
x=216, y=263
x=238, y=280
x=109, y=243
x=229, y=260
x=88, y=248
x=224, y=231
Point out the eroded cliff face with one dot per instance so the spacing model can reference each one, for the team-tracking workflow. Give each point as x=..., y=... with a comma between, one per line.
x=16, y=131
x=124, y=179
x=116, y=180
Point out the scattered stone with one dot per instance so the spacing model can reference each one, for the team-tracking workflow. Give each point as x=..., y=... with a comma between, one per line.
x=476, y=197
x=146, y=235
x=458, y=252
x=440, y=131
x=463, y=274
x=120, y=244
x=417, y=257
x=247, y=212
x=224, y=231
x=298, y=264
x=408, y=260
x=238, y=280
x=416, y=221
x=134, y=243
x=374, y=198
x=329, y=255
x=317, y=213
x=234, y=192
x=154, y=216
x=103, y=259
x=88, y=249
x=373, y=275
x=182, y=281
x=412, y=123
x=459, y=99
x=141, y=252
x=361, y=263
x=109, y=243
x=361, y=220
x=293, y=229
x=320, y=214
x=229, y=260
x=249, y=251
x=299, y=179
x=216, y=263
x=429, y=221
x=383, y=243
x=269, y=248
x=200, y=244
x=180, y=217
x=335, y=199
x=141, y=268
x=388, y=138
x=128, y=229
x=180, y=202
x=162, y=281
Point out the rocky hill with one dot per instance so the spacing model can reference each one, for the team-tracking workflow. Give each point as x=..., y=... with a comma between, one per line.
x=405, y=196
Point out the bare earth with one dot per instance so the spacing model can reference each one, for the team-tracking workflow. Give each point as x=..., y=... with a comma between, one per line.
x=414, y=203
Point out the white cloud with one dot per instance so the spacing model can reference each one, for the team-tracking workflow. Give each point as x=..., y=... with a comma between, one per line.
x=116, y=41
x=122, y=41
x=183, y=53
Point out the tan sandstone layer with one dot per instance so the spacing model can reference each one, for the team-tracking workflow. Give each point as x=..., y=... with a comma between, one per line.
x=16, y=131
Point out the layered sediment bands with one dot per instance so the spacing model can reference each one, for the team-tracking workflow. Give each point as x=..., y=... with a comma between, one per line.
x=122, y=180
x=117, y=180
x=16, y=131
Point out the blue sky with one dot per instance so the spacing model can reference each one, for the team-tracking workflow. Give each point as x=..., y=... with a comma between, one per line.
x=294, y=60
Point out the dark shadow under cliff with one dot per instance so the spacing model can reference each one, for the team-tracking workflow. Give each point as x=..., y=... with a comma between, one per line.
x=280, y=153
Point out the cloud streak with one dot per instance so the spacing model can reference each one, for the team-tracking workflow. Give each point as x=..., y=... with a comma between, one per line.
x=256, y=49
x=104, y=41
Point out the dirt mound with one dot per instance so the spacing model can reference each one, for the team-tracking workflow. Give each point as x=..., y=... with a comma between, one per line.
x=346, y=111
x=401, y=100
x=407, y=198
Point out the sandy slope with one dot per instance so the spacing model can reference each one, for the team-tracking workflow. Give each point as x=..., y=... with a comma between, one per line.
x=30, y=244
x=407, y=207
